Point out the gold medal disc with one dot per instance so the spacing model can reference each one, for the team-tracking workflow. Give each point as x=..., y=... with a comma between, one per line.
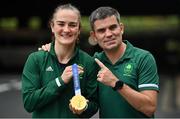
x=78, y=102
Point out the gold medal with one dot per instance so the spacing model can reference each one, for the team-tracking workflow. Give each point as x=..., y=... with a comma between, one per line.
x=78, y=102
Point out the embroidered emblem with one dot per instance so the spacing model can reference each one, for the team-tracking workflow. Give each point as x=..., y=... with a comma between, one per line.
x=128, y=69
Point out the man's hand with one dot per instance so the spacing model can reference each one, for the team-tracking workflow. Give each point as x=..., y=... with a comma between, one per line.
x=105, y=76
x=45, y=47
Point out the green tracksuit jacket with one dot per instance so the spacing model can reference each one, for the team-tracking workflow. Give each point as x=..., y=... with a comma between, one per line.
x=40, y=92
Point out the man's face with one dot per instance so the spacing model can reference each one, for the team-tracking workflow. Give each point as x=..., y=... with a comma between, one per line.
x=107, y=32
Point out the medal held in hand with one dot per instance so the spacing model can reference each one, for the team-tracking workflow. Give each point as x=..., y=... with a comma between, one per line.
x=78, y=101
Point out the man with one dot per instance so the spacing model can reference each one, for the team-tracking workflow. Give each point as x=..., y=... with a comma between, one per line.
x=128, y=78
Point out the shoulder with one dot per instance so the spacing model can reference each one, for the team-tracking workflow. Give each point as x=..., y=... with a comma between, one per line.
x=144, y=58
x=137, y=52
x=37, y=56
x=142, y=53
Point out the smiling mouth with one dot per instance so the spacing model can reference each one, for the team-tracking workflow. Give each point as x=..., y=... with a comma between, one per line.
x=66, y=36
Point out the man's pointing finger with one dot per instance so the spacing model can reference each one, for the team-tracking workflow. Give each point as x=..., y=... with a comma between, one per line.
x=100, y=63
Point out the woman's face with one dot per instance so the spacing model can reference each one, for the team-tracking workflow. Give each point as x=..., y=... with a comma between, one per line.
x=66, y=26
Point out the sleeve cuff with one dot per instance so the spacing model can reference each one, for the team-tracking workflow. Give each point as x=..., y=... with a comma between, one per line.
x=59, y=82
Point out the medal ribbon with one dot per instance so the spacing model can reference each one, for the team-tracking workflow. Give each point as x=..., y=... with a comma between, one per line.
x=77, y=88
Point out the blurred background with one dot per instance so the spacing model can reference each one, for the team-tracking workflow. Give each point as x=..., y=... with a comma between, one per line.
x=152, y=25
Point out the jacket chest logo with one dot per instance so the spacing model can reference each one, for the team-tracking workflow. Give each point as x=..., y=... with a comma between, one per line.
x=128, y=69
x=49, y=69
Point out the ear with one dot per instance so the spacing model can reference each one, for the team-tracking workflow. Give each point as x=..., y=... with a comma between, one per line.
x=92, y=40
x=122, y=28
x=52, y=26
x=92, y=35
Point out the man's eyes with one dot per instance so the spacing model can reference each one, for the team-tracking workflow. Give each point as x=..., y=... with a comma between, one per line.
x=111, y=28
x=101, y=30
